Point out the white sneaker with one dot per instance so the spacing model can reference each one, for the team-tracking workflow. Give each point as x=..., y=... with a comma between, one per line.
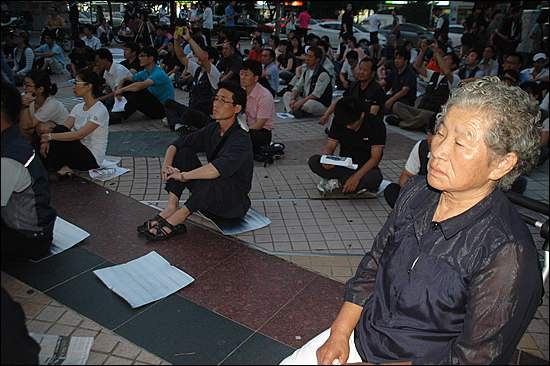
x=165, y=121
x=326, y=186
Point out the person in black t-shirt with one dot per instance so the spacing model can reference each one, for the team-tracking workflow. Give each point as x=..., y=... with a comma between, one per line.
x=362, y=137
x=170, y=63
x=131, y=52
x=366, y=89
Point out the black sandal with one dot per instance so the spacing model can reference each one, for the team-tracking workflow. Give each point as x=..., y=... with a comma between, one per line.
x=161, y=233
x=147, y=224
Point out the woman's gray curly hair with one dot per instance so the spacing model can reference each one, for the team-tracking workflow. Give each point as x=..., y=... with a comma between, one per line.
x=514, y=121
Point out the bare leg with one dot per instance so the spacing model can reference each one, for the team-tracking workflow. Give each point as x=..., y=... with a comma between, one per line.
x=64, y=170
x=176, y=218
x=171, y=209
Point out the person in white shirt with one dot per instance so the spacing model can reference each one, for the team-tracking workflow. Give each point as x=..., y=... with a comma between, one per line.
x=104, y=32
x=44, y=111
x=489, y=65
x=349, y=69
x=374, y=23
x=81, y=142
x=537, y=73
x=208, y=22
x=91, y=41
x=114, y=72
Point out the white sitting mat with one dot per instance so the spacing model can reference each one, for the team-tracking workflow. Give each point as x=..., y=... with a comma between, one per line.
x=253, y=220
x=144, y=280
x=65, y=236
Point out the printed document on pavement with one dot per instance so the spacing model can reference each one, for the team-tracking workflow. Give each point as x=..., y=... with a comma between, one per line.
x=62, y=350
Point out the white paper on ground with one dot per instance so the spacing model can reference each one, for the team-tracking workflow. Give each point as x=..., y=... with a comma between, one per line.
x=144, y=280
x=119, y=105
x=65, y=236
x=285, y=115
x=338, y=160
x=63, y=350
x=99, y=173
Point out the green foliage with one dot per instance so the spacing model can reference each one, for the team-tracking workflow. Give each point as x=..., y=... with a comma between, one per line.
x=417, y=12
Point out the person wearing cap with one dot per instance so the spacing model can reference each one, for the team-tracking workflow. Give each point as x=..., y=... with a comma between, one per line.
x=23, y=56
x=54, y=60
x=538, y=73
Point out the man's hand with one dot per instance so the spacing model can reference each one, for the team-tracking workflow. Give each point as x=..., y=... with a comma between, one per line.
x=335, y=348
x=297, y=105
x=351, y=183
x=45, y=148
x=328, y=166
x=388, y=104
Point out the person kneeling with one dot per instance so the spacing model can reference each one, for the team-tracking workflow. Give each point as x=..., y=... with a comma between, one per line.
x=220, y=187
x=362, y=137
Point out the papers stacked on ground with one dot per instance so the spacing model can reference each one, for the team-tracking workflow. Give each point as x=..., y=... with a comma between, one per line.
x=106, y=174
x=284, y=115
x=339, y=161
x=62, y=350
x=144, y=280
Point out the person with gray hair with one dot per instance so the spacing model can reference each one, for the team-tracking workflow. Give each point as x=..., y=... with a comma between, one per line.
x=453, y=277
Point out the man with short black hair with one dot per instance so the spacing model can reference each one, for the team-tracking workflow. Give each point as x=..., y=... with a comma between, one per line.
x=113, y=73
x=440, y=86
x=270, y=70
x=145, y=91
x=470, y=71
x=312, y=94
x=488, y=64
x=78, y=57
x=402, y=80
x=513, y=62
x=206, y=77
x=442, y=26
x=131, y=53
x=91, y=41
x=260, y=107
x=349, y=69
x=362, y=137
x=51, y=54
x=170, y=63
x=231, y=63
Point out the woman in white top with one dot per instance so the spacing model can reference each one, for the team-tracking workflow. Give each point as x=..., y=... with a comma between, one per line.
x=44, y=111
x=81, y=142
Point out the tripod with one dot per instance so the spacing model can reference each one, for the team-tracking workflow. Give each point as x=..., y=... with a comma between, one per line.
x=146, y=21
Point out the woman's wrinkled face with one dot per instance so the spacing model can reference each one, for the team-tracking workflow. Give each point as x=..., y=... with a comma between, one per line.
x=459, y=159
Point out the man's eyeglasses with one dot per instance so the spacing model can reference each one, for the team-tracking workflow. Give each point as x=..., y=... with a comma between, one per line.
x=219, y=100
x=143, y=55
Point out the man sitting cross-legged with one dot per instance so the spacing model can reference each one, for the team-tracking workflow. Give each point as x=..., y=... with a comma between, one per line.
x=206, y=77
x=146, y=91
x=260, y=107
x=220, y=187
x=312, y=94
x=362, y=137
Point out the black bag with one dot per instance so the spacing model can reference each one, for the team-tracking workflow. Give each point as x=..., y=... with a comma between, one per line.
x=270, y=153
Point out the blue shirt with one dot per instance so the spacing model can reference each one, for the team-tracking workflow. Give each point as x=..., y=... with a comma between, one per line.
x=229, y=11
x=459, y=291
x=273, y=77
x=58, y=52
x=162, y=89
x=398, y=81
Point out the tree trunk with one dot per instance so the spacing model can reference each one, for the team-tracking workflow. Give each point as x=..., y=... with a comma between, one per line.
x=278, y=21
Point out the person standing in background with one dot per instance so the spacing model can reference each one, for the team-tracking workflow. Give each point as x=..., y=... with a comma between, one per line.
x=395, y=24
x=304, y=18
x=347, y=20
x=208, y=22
x=73, y=18
x=374, y=23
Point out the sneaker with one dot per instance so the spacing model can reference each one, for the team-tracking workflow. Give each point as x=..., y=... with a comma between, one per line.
x=326, y=186
x=165, y=121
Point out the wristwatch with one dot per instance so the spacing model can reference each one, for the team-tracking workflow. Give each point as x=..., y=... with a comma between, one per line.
x=50, y=136
x=183, y=178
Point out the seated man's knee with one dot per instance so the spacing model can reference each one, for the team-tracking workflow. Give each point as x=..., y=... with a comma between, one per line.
x=45, y=127
x=314, y=162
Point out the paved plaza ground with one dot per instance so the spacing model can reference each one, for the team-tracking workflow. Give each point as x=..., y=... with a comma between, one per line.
x=254, y=293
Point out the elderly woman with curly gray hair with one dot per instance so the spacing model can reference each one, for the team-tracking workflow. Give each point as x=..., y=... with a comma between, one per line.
x=453, y=277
